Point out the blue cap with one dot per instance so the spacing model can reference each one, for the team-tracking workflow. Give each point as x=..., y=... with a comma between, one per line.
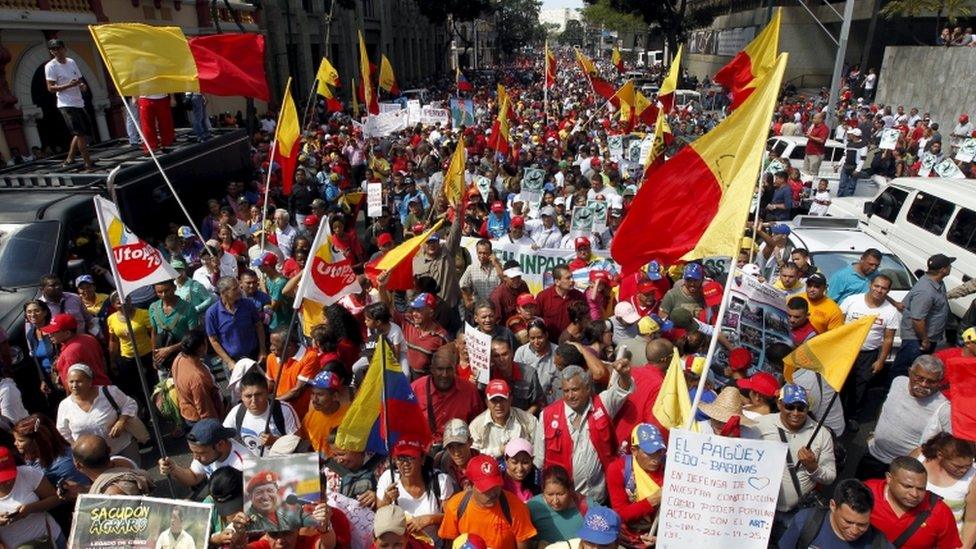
x=654, y=270
x=779, y=228
x=84, y=278
x=647, y=437
x=185, y=232
x=209, y=431
x=422, y=300
x=326, y=380
x=664, y=325
x=792, y=393
x=694, y=271
x=601, y=526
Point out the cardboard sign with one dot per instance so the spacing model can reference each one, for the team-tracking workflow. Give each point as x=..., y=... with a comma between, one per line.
x=967, y=150
x=634, y=151
x=646, y=145
x=478, y=345
x=719, y=492
x=582, y=221
x=129, y=521
x=462, y=112
x=374, y=199
x=775, y=166
x=282, y=492
x=390, y=107
x=484, y=186
x=533, y=180
x=889, y=139
x=616, y=145
x=928, y=164
x=600, y=211
x=385, y=123
x=948, y=169
x=431, y=116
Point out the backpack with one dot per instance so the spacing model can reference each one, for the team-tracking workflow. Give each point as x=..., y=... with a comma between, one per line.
x=811, y=527
x=277, y=416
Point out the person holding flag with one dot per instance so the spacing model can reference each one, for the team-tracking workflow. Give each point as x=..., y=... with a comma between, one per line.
x=634, y=481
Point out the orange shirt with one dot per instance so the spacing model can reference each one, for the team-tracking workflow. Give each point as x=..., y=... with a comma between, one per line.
x=303, y=369
x=489, y=523
x=317, y=426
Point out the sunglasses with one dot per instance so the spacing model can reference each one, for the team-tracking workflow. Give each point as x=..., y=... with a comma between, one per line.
x=795, y=407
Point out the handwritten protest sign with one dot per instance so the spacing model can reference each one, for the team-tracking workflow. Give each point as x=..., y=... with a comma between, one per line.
x=478, y=345
x=967, y=150
x=719, y=492
x=599, y=210
x=282, y=491
x=646, y=145
x=385, y=123
x=948, y=169
x=413, y=111
x=374, y=199
x=389, y=107
x=431, y=116
x=615, y=143
x=889, y=139
x=129, y=521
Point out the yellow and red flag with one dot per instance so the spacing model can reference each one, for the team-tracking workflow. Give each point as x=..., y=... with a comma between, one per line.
x=586, y=64
x=550, y=67
x=399, y=262
x=672, y=407
x=454, y=177
x=646, y=110
x=365, y=75
x=665, y=95
x=830, y=354
x=617, y=60
x=741, y=75
x=699, y=200
x=387, y=79
x=662, y=138
x=287, y=137
x=146, y=60
x=499, y=140
x=328, y=76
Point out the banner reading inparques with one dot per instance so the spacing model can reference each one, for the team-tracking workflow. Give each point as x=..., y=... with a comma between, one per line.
x=719, y=492
x=537, y=264
x=130, y=521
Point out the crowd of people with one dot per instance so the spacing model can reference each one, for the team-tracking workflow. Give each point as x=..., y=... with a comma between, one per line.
x=560, y=445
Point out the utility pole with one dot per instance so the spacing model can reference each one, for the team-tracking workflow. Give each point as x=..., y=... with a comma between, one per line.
x=845, y=31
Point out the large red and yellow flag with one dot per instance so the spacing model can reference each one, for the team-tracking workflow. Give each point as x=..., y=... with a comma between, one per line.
x=364, y=74
x=662, y=138
x=500, y=135
x=287, y=136
x=586, y=64
x=550, y=67
x=665, y=95
x=626, y=100
x=617, y=60
x=697, y=203
x=399, y=262
x=454, y=178
x=741, y=75
x=146, y=60
x=387, y=79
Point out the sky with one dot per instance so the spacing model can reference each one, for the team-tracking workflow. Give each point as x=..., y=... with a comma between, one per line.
x=548, y=4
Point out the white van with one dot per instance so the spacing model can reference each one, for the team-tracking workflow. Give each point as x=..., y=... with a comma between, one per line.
x=794, y=148
x=918, y=217
x=683, y=97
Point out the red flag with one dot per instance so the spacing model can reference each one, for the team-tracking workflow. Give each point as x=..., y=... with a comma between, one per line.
x=740, y=74
x=603, y=88
x=961, y=373
x=231, y=64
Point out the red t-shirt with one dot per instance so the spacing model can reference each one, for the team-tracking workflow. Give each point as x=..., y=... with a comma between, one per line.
x=463, y=401
x=937, y=532
x=819, y=131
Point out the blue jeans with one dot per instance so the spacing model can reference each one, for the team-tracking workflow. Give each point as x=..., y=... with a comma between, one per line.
x=909, y=351
x=201, y=126
x=847, y=184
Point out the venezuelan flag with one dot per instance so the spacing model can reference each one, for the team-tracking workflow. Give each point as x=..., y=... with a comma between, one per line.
x=696, y=204
x=365, y=426
x=741, y=74
x=462, y=83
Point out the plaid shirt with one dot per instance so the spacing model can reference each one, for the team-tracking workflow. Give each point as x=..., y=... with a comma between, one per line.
x=480, y=279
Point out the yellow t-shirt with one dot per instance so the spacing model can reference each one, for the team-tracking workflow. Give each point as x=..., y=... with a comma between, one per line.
x=96, y=307
x=825, y=315
x=141, y=327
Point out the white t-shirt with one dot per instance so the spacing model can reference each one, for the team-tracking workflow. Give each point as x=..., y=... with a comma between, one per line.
x=11, y=402
x=854, y=307
x=252, y=426
x=234, y=459
x=425, y=505
x=869, y=81
x=30, y=526
x=61, y=74
x=816, y=208
x=98, y=420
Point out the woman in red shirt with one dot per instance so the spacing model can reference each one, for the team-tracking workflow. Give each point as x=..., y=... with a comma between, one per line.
x=634, y=482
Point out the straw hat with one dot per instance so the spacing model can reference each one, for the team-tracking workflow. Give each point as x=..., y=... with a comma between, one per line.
x=728, y=404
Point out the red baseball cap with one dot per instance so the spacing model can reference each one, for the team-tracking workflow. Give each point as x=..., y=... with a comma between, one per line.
x=600, y=274
x=8, y=465
x=582, y=241
x=498, y=388
x=63, y=321
x=525, y=299
x=408, y=447
x=646, y=287
x=712, y=292
x=383, y=239
x=761, y=382
x=483, y=473
x=418, y=228
x=497, y=207
x=740, y=358
x=517, y=221
x=311, y=220
x=290, y=268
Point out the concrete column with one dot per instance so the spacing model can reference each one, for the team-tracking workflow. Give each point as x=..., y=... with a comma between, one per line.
x=31, y=114
x=100, y=122
x=300, y=27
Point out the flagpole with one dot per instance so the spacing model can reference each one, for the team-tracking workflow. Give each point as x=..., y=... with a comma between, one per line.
x=274, y=147
x=273, y=396
x=381, y=344
x=545, y=85
x=155, y=159
x=308, y=102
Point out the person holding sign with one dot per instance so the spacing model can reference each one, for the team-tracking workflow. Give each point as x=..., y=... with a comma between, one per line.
x=635, y=481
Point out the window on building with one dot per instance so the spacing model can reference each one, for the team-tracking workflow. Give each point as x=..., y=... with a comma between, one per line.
x=962, y=232
x=930, y=213
x=369, y=10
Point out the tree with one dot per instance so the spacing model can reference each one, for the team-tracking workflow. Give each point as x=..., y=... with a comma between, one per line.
x=601, y=13
x=517, y=24
x=450, y=13
x=952, y=10
x=573, y=34
x=672, y=17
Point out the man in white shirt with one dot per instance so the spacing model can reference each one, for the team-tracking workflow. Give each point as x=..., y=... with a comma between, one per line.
x=64, y=79
x=500, y=422
x=213, y=447
x=249, y=419
x=285, y=233
x=877, y=346
x=175, y=537
x=544, y=231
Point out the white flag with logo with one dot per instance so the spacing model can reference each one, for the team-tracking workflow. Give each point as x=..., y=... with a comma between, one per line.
x=134, y=262
x=328, y=275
